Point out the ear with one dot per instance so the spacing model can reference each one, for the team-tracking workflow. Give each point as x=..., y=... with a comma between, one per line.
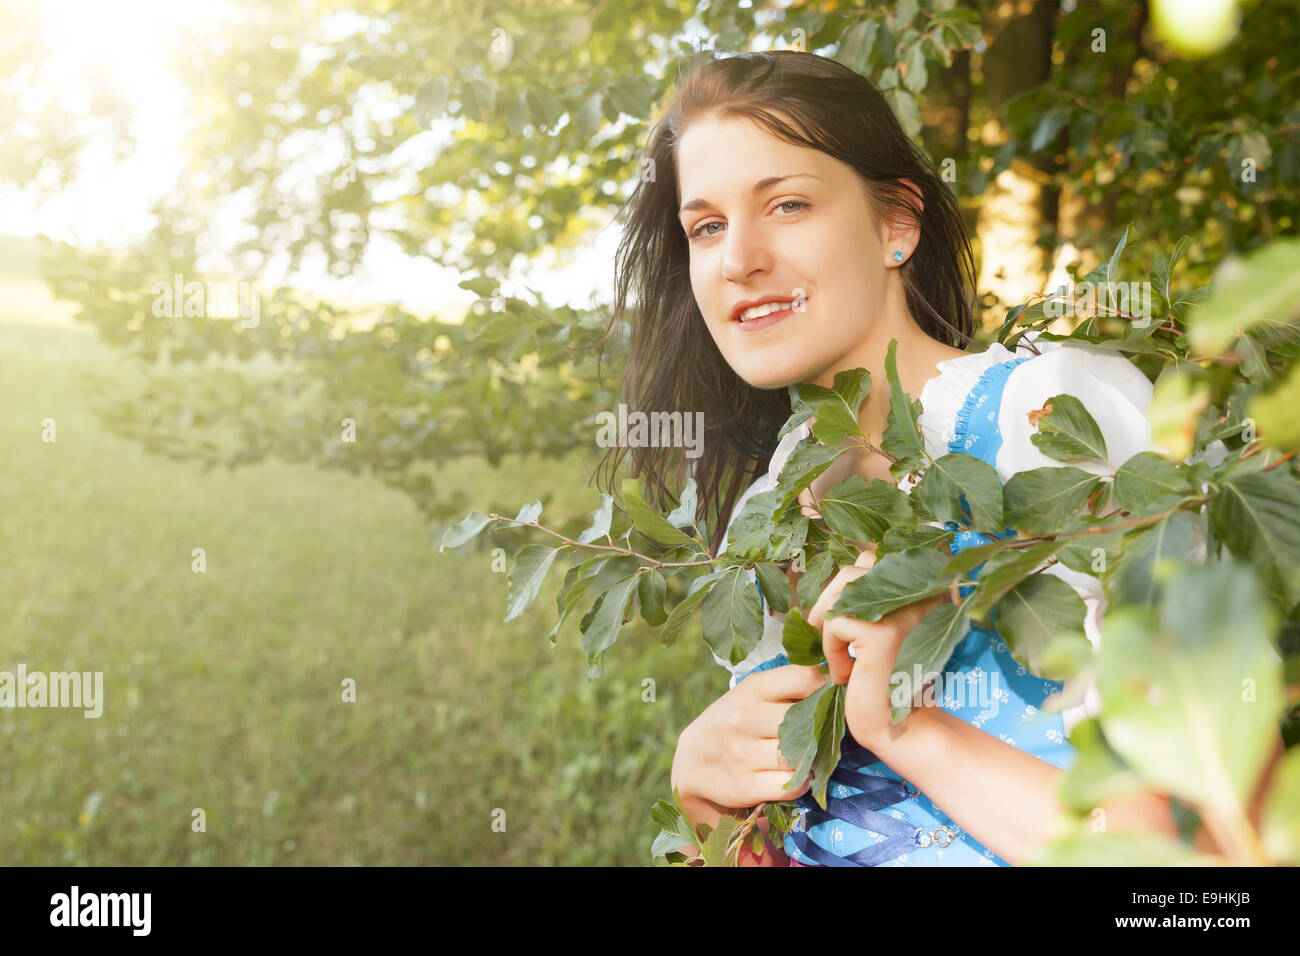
x=903, y=234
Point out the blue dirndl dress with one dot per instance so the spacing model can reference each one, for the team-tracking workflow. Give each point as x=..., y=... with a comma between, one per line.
x=876, y=818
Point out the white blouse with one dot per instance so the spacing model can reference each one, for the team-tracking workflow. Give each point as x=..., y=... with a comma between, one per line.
x=1116, y=394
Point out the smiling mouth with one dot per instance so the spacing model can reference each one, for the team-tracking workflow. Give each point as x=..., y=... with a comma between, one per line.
x=762, y=316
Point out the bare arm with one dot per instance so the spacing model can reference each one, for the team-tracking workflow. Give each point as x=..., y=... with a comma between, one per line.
x=1005, y=798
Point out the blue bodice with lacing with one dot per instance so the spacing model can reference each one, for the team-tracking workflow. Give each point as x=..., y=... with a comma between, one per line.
x=873, y=816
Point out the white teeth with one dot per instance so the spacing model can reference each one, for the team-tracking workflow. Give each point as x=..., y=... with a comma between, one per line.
x=758, y=311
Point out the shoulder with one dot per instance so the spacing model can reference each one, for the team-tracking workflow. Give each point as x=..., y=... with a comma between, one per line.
x=944, y=395
x=1115, y=392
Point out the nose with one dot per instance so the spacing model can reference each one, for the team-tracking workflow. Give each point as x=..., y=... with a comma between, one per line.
x=746, y=254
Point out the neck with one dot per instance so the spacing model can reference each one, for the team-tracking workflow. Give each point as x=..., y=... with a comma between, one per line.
x=917, y=354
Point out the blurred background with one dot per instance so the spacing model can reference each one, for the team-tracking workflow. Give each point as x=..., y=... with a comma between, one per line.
x=298, y=284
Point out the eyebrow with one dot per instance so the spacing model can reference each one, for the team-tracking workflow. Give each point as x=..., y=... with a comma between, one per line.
x=758, y=188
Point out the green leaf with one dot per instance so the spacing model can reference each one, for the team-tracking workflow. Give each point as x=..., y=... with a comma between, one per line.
x=1098, y=774
x=606, y=622
x=1257, y=516
x=1244, y=293
x=961, y=26
x=586, y=121
x=925, y=650
x=651, y=591
x=1161, y=276
x=800, y=413
x=818, y=569
x=684, y=513
x=1108, y=272
x=775, y=585
x=464, y=530
x=714, y=847
x=543, y=107
x=859, y=511
x=576, y=582
x=757, y=534
x=600, y=520
x=732, y=616
x=649, y=522
x=1083, y=846
x=675, y=829
x=1042, y=622
x=1280, y=826
x=806, y=462
x=857, y=43
x=680, y=614
x=959, y=479
x=1003, y=571
x=893, y=582
x=431, y=101
x=1041, y=500
x=1053, y=121
x=802, y=641
x=915, y=76
x=525, y=578
x=922, y=536
x=1190, y=697
x=1081, y=553
x=1146, y=477
x=809, y=737
x=902, y=439
x=1132, y=579
x=904, y=106
x=529, y=513
x=837, y=407
x=1068, y=432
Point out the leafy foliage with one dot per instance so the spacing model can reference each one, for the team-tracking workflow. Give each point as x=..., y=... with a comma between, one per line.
x=1192, y=630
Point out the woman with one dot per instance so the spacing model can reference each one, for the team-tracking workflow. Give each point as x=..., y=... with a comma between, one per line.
x=783, y=181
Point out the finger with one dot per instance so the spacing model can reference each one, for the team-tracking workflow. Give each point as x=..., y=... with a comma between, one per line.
x=770, y=786
x=806, y=506
x=841, y=633
x=791, y=682
x=770, y=758
x=830, y=594
x=764, y=719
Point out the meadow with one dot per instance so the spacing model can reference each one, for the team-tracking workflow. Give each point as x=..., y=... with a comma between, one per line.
x=224, y=689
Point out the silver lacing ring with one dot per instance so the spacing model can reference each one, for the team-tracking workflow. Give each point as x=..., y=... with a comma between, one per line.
x=924, y=839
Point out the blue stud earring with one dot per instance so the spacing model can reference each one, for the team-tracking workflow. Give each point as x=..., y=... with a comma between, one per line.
x=898, y=255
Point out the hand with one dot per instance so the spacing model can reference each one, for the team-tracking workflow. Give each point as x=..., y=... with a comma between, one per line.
x=875, y=649
x=729, y=757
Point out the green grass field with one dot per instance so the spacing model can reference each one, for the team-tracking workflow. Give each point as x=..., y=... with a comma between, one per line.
x=223, y=689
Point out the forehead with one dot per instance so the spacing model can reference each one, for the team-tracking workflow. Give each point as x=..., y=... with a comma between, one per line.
x=717, y=156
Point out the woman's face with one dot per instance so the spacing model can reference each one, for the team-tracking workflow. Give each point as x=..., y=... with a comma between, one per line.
x=811, y=235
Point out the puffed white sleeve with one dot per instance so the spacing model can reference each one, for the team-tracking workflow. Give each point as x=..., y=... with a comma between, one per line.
x=1116, y=393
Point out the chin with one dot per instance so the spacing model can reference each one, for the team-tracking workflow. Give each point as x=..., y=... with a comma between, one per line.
x=775, y=375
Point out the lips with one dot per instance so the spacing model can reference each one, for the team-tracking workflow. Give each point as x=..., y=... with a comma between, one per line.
x=770, y=301
x=763, y=322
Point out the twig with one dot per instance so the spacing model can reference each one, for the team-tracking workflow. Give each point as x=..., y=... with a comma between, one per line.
x=604, y=547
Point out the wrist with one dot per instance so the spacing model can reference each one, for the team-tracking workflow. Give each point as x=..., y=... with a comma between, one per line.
x=917, y=729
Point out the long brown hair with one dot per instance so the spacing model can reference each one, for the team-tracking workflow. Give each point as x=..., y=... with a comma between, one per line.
x=672, y=362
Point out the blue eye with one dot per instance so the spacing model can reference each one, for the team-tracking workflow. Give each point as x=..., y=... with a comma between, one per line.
x=698, y=232
x=695, y=233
